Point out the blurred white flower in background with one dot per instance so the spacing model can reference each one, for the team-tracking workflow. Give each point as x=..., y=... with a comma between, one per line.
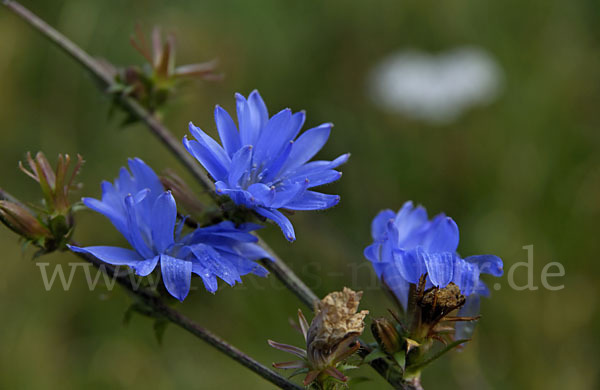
x=435, y=88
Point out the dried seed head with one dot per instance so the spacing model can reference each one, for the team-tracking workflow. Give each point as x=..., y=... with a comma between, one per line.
x=330, y=338
x=337, y=317
x=447, y=298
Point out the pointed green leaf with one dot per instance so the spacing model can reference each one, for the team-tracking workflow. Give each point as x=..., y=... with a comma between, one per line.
x=400, y=358
x=373, y=355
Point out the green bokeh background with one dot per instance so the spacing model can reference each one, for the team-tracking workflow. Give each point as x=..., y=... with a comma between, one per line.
x=522, y=170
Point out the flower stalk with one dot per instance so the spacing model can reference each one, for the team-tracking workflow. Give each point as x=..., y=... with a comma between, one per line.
x=106, y=79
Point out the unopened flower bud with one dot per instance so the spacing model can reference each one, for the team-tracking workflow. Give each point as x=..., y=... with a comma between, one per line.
x=387, y=335
x=55, y=184
x=21, y=221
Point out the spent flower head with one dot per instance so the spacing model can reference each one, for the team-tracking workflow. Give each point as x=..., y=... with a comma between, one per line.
x=263, y=164
x=331, y=338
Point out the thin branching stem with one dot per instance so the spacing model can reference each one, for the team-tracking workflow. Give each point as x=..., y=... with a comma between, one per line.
x=277, y=266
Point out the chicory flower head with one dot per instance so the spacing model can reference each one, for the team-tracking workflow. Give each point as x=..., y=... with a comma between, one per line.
x=408, y=245
x=146, y=215
x=263, y=166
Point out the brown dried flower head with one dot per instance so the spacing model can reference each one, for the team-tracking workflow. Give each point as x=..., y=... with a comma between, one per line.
x=336, y=317
x=330, y=338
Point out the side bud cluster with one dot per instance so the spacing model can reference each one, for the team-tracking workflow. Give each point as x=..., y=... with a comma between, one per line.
x=50, y=226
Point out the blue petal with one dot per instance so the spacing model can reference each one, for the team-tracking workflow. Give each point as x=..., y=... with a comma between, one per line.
x=110, y=254
x=466, y=276
x=258, y=110
x=314, y=166
x=210, y=144
x=308, y=144
x=311, y=200
x=387, y=252
x=289, y=194
x=134, y=235
x=210, y=281
x=262, y=194
x=116, y=216
x=231, y=237
x=253, y=251
x=209, y=261
x=392, y=234
x=239, y=196
x=164, y=216
x=339, y=161
x=379, y=268
x=409, y=265
x=488, y=264
x=296, y=123
x=481, y=289
x=252, y=116
x=372, y=252
x=379, y=224
x=228, y=133
x=284, y=224
x=323, y=177
x=273, y=137
x=411, y=223
x=125, y=183
x=145, y=177
x=272, y=170
x=396, y=283
x=207, y=158
x=440, y=266
x=244, y=266
x=240, y=164
x=176, y=275
x=442, y=235
x=145, y=267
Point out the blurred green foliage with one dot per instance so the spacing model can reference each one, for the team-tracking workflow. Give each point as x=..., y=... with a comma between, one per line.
x=523, y=170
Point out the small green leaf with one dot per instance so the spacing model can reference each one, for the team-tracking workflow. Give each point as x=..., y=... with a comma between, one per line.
x=400, y=358
x=373, y=355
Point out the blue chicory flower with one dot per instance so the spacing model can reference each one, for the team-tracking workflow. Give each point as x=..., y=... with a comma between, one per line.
x=408, y=245
x=146, y=215
x=263, y=166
